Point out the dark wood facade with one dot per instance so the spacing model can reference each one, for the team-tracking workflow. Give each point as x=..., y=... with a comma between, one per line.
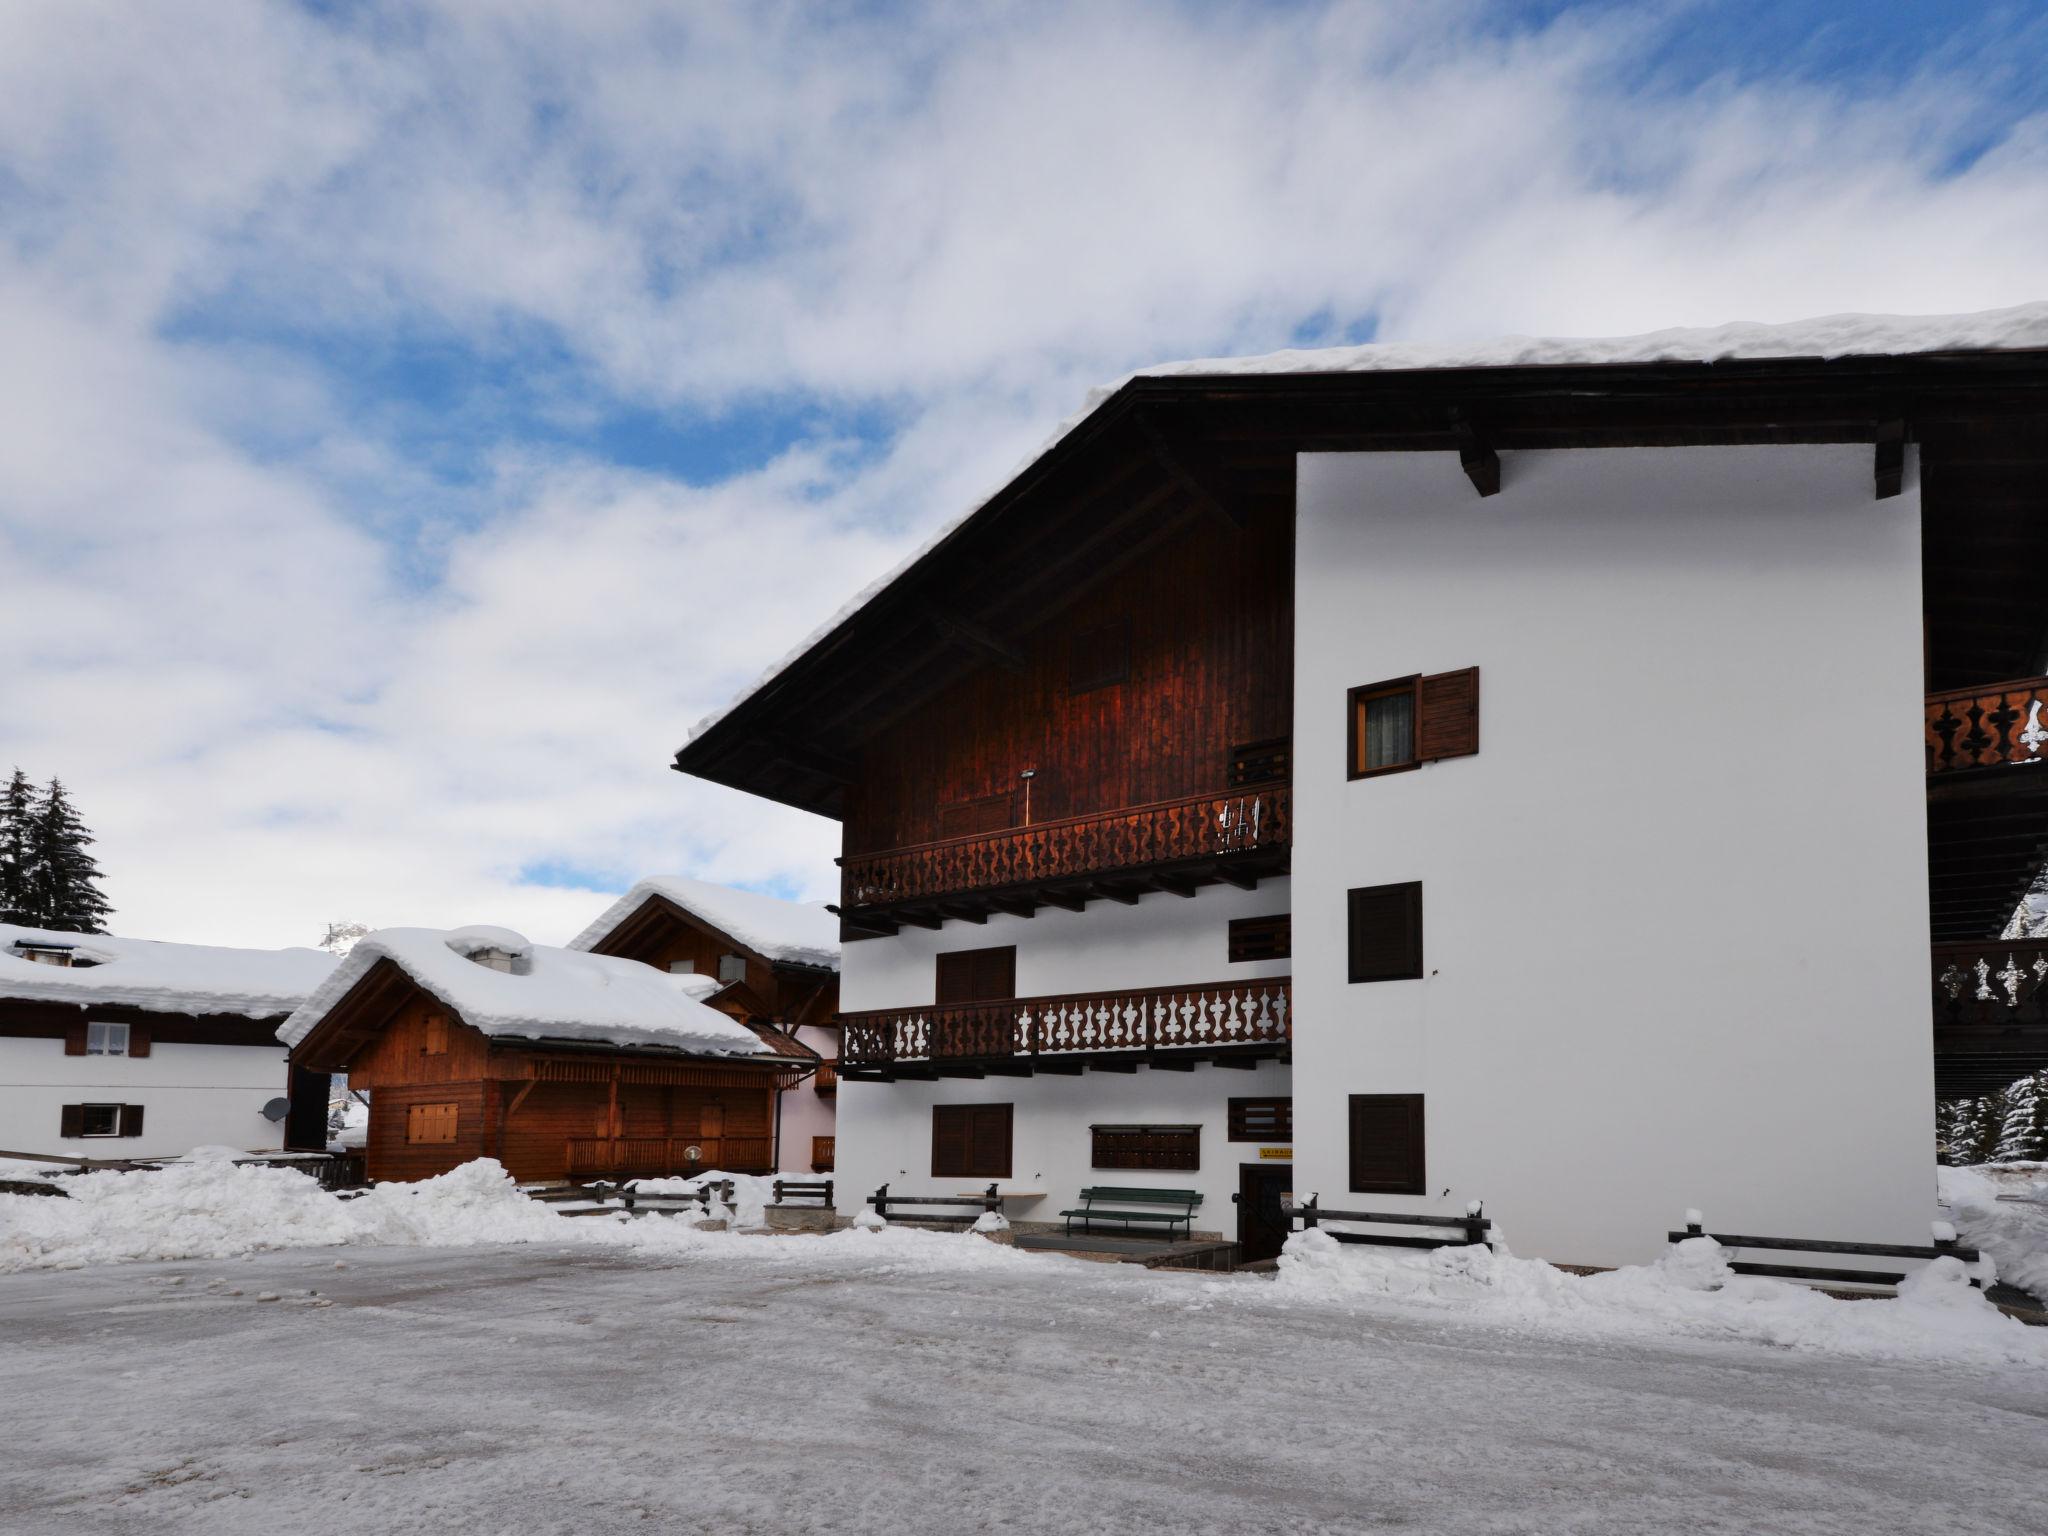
x=660, y=933
x=443, y=1093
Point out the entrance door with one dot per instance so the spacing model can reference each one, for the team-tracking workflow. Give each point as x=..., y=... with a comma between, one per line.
x=1261, y=1222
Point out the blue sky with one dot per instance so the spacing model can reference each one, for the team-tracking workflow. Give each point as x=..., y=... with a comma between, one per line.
x=415, y=416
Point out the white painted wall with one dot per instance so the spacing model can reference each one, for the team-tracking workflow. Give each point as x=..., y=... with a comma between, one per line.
x=885, y=1135
x=806, y=1112
x=885, y=1129
x=1163, y=941
x=192, y=1096
x=1675, y=913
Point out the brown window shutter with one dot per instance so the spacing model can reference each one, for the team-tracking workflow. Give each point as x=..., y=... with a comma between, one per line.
x=138, y=1039
x=991, y=1149
x=1447, y=715
x=72, y=1121
x=1262, y=1119
x=74, y=1039
x=977, y=975
x=987, y=813
x=950, y=1136
x=131, y=1119
x=1261, y=938
x=1385, y=932
x=1386, y=1144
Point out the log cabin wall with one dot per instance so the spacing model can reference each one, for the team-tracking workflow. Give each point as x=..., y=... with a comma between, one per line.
x=1207, y=618
x=662, y=933
x=388, y=1154
x=401, y=1054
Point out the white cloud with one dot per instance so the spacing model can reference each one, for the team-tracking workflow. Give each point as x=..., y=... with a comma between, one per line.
x=295, y=675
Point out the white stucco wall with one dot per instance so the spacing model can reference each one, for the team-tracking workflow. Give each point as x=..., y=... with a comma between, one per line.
x=1675, y=912
x=1163, y=941
x=885, y=1129
x=805, y=1112
x=192, y=1095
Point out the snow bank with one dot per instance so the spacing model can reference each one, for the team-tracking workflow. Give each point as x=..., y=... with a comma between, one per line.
x=551, y=994
x=1690, y=1292
x=2014, y=1232
x=162, y=978
x=792, y=931
x=752, y=1194
x=2024, y=326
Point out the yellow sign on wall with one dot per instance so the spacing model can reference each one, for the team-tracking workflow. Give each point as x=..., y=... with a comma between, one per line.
x=1276, y=1154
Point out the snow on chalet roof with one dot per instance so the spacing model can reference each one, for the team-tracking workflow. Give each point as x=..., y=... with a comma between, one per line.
x=548, y=994
x=157, y=976
x=2019, y=328
x=791, y=931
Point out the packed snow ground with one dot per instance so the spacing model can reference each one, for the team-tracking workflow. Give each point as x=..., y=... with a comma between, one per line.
x=910, y=1382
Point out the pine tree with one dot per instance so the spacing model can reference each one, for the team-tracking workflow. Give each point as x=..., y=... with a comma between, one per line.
x=17, y=816
x=64, y=890
x=2023, y=1128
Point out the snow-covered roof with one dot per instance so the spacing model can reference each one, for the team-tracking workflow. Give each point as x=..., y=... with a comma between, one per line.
x=2020, y=328
x=549, y=994
x=157, y=976
x=791, y=931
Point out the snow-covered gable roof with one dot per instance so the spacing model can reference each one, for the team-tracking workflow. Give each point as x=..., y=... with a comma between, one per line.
x=791, y=931
x=549, y=994
x=159, y=977
x=2022, y=327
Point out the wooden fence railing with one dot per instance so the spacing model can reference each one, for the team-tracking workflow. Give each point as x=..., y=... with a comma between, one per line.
x=1992, y=981
x=1214, y=1014
x=1991, y=727
x=655, y=1155
x=1202, y=826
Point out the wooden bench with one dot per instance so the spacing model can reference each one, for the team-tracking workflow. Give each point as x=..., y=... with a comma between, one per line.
x=1943, y=1246
x=1170, y=1208
x=819, y=1190
x=886, y=1206
x=1471, y=1228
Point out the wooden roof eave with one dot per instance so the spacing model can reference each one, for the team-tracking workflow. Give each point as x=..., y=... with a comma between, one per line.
x=1777, y=400
x=358, y=1018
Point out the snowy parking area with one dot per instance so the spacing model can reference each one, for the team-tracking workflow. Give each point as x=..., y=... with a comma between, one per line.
x=913, y=1382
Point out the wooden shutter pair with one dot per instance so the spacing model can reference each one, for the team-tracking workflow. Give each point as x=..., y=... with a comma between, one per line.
x=71, y=1120
x=1384, y=932
x=1444, y=713
x=971, y=1141
x=977, y=975
x=430, y=1124
x=1386, y=1144
x=75, y=1039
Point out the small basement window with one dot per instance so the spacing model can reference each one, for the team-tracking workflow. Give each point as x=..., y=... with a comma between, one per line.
x=1146, y=1146
x=106, y=1040
x=99, y=1119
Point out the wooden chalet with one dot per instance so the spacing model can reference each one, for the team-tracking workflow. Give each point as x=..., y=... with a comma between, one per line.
x=776, y=965
x=558, y=1063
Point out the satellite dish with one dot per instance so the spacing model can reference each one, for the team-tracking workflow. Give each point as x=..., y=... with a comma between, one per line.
x=277, y=1109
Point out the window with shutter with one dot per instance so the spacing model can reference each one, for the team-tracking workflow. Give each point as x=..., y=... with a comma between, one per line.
x=1385, y=932
x=71, y=1120
x=74, y=1039
x=986, y=813
x=1386, y=1144
x=106, y=1039
x=138, y=1040
x=1261, y=938
x=1408, y=721
x=99, y=1120
x=1262, y=1119
x=977, y=975
x=1146, y=1146
x=430, y=1124
x=131, y=1119
x=971, y=1141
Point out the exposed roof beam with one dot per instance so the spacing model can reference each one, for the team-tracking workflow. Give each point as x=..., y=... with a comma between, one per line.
x=1891, y=459
x=1476, y=456
x=1182, y=456
x=964, y=631
x=827, y=765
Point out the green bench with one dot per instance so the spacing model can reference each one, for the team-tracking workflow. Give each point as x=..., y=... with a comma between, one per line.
x=1172, y=1207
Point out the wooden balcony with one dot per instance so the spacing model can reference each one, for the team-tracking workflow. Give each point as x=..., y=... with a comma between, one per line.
x=1229, y=1023
x=661, y=1156
x=1999, y=726
x=1990, y=1014
x=1238, y=836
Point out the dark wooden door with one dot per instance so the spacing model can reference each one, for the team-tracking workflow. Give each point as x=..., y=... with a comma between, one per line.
x=1261, y=1222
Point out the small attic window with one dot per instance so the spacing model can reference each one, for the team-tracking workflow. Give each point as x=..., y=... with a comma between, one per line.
x=732, y=967
x=682, y=967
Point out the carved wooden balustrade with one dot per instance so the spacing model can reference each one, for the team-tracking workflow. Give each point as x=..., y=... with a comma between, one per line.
x=1218, y=1014
x=1988, y=727
x=1998, y=982
x=1074, y=848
